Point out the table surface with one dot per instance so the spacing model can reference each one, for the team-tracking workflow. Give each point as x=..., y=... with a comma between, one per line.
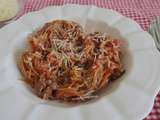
x=142, y=11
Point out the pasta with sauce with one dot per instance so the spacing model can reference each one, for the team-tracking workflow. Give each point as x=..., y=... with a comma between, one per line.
x=65, y=63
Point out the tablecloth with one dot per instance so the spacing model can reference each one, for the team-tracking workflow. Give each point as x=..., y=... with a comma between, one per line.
x=142, y=11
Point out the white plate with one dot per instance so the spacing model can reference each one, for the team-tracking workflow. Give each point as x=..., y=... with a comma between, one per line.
x=130, y=98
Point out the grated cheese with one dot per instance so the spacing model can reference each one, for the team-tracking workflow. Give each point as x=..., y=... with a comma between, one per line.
x=8, y=9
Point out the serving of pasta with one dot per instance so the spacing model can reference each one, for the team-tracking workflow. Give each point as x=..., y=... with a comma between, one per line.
x=65, y=63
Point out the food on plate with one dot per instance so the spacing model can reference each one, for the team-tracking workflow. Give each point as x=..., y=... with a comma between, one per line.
x=65, y=63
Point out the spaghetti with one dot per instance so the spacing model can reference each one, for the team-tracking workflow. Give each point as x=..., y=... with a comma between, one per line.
x=65, y=63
